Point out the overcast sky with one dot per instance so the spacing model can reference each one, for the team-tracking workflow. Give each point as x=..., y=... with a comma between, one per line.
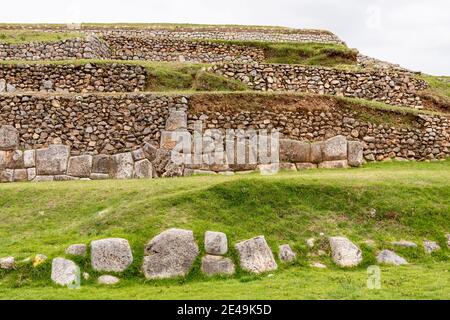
x=414, y=33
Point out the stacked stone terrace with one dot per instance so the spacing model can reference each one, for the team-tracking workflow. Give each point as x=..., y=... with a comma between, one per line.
x=94, y=120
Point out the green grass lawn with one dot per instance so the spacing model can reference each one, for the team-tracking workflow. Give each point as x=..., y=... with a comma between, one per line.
x=21, y=36
x=412, y=202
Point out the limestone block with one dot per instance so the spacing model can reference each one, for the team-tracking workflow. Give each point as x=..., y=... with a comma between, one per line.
x=122, y=166
x=334, y=149
x=255, y=255
x=216, y=243
x=80, y=166
x=213, y=265
x=9, y=137
x=52, y=160
x=111, y=255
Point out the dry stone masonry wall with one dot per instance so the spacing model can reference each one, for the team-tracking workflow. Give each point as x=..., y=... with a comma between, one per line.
x=88, y=77
x=390, y=87
x=90, y=47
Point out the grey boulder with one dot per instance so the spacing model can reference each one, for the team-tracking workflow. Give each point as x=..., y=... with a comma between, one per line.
x=286, y=254
x=334, y=149
x=344, y=252
x=65, y=272
x=255, y=255
x=390, y=257
x=430, y=246
x=80, y=166
x=52, y=160
x=216, y=243
x=108, y=280
x=77, y=250
x=111, y=255
x=7, y=263
x=170, y=254
x=213, y=265
x=355, y=153
x=122, y=166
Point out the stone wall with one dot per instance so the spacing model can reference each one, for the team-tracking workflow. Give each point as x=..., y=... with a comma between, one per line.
x=88, y=123
x=168, y=49
x=90, y=47
x=395, y=88
x=88, y=77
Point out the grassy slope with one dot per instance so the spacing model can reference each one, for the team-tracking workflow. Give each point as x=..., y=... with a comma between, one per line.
x=412, y=202
x=19, y=36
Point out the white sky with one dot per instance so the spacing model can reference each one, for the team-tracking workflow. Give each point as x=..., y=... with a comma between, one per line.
x=414, y=33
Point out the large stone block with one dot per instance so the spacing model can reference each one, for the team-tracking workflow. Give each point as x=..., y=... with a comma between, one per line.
x=111, y=255
x=216, y=243
x=102, y=163
x=7, y=175
x=176, y=120
x=52, y=160
x=65, y=272
x=170, y=254
x=337, y=164
x=150, y=150
x=80, y=166
x=213, y=265
x=344, y=252
x=355, y=153
x=255, y=255
x=122, y=166
x=294, y=151
x=20, y=175
x=14, y=159
x=334, y=149
x=143, y=169
x=316, y=152
x=9, y=138
x=29, y=158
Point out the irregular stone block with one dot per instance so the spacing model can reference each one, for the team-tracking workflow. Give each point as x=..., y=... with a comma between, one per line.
x=7, y=263
x=286, y=254
x=138, y=154
x=334, y=149
x=7, y=175
x=143, y=169
x=176, y=120
x=355, y=153
x=65, y=272
x=294, y=151
x=316, y=152
x=216, y=243
x=108, y=280
x=14, y=159
x=52, y=160
x=99, y=176
x=122, y=166
x=391, y=258
x=111, y=255
x=430, y=246
x=150, y=151
x=170, y=254
x=9, y=137
x=80, y=166
x=20, y=175
x=102, y=163
x=77, y=250
x=179, y=140
x=213, y=265
x=344, y=252
x=337, y=164
x=306, y=166
x=29, y=158
x=38, y=260
x=255, y=255
x=31, y=173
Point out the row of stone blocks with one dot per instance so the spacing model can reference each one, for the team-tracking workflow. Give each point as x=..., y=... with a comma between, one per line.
x=173, y=252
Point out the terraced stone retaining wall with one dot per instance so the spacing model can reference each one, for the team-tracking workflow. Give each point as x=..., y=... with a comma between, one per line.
x=90, y=47
x=395, y=88
x=73, y=78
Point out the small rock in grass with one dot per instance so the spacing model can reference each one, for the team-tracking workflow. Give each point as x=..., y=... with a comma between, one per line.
x=286, y=254
x=216, y=243
x=344, y=252
x=39, y=259
x=108, y=280
x=212, y=265
x=77, y=250
x=390, y=257
x=111, y=255
x=318, y=265
x=310, y=242
x=405, y=244
x=255, y=255
x=65, y=272
x=430, y=246
x=7, y=263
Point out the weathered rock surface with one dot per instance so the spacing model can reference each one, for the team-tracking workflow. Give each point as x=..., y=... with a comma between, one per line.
x=176, y=120
x=77, y=250
x=108, y=280
x=102, y=163
x=344, y=252
x=294, y=151
x=430, y=246
x=355, y=153
x=122, y=166
x=318, y=265
x=9, y=137
x=111, y=255
x=52, y=160
x=336, y=164
x=286, y=254
x=405, y=244
x=255, y=255
x=7, y=263
x=80, y=166
x=65, y=272
x=216, y=243
x=390, y=257
x=170, y=254
x=334, y=149
x=212, y=265
x=143, y=169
